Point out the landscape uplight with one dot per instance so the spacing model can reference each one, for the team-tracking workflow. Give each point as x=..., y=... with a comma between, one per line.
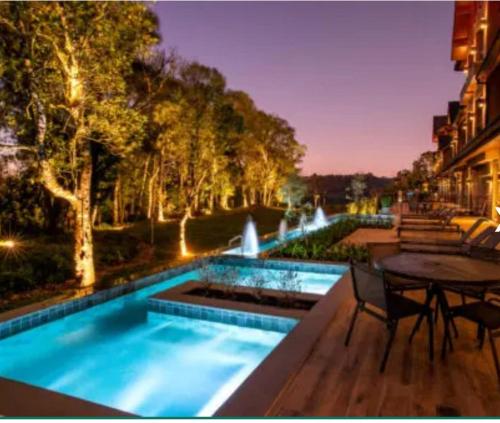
x=7, y=243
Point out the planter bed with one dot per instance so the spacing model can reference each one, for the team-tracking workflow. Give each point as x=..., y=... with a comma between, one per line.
x=325, y=245
x=243, y=308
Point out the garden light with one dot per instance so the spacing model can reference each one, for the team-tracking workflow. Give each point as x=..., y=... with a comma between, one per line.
x=7, y=243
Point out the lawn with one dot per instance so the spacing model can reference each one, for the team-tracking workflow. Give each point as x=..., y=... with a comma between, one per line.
x=120, y=255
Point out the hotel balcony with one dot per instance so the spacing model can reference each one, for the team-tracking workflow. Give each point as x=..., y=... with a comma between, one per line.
x=489, y=133
x=491, y=60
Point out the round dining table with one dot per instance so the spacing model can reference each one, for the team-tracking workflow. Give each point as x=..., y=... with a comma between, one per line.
x=442, y=269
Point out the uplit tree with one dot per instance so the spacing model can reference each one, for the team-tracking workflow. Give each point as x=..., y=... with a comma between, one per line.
x=356, y=189
x=62, y=72
x=293, y=191
x=189, y=134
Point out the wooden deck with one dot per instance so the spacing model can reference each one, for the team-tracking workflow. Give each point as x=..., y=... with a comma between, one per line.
x=345, y=381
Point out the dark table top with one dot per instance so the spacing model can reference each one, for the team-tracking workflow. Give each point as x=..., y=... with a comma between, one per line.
x=441, y=268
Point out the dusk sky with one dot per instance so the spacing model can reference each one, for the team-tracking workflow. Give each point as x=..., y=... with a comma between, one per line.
x=359, y=81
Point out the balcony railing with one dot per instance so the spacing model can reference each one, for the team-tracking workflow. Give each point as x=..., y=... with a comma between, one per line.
x=490, y=60
x=471, y=75
x=483, y=137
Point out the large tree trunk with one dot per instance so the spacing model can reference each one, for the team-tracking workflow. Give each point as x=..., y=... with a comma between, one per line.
x=182, y=232
x=84, y=247
x=224, y=202
x=80, y=203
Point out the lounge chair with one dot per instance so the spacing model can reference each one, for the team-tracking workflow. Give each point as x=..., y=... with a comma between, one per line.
x=486, y=238
x=442, y=226
x=374, y=295
x=453, y=242
x=437, y=214
x=457, y=210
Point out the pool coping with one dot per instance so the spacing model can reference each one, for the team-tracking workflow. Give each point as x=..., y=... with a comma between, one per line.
x=180, y=295
x=260, y=391
x=12, y=323
x=21, y=399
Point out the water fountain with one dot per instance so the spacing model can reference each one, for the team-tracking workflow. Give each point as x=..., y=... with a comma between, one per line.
x=283, y=229
x=319, y=218
x=303, y=222
x=250, y=240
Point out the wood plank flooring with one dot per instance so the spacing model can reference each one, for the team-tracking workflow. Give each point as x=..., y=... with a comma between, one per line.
x=345, y=381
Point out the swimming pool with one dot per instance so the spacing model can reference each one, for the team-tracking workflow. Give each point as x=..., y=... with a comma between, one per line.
x=120, y=355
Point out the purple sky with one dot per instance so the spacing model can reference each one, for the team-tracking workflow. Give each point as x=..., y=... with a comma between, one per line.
x=359, y=81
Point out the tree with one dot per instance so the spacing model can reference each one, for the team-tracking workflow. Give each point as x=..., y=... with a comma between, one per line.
x=357, y=188
x=63, y=77
x=189, y=133
x=293, y=191
x=422, y=172
x=150, y=85
x=267, y=151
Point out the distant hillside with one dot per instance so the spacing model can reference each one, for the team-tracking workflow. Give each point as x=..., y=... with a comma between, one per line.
x=333, y=187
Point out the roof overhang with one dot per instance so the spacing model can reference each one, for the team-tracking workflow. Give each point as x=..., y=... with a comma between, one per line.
x=462, y=26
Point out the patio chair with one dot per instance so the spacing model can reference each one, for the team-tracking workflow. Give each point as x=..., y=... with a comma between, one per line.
x=485, y=251
x=476, y=292
x=487, y=315
x=374, y=296
x=379, y=250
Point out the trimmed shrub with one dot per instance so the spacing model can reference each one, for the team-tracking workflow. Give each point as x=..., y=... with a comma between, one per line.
x=322, y=244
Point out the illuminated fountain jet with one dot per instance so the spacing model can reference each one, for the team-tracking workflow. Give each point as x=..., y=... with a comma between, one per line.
x=282, y=231
x=319, y=218
x=303, y=222
x=250, y=240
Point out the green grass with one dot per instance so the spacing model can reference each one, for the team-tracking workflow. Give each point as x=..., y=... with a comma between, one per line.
x=122, y=255
x=203, y=233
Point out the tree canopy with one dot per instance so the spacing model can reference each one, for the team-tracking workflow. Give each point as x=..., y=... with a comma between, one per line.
x=115, y=130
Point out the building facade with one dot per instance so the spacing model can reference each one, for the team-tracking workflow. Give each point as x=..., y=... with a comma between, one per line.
x=468, y=136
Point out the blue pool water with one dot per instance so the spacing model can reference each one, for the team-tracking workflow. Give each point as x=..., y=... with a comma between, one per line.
x=310, y=282
x=119, y=355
